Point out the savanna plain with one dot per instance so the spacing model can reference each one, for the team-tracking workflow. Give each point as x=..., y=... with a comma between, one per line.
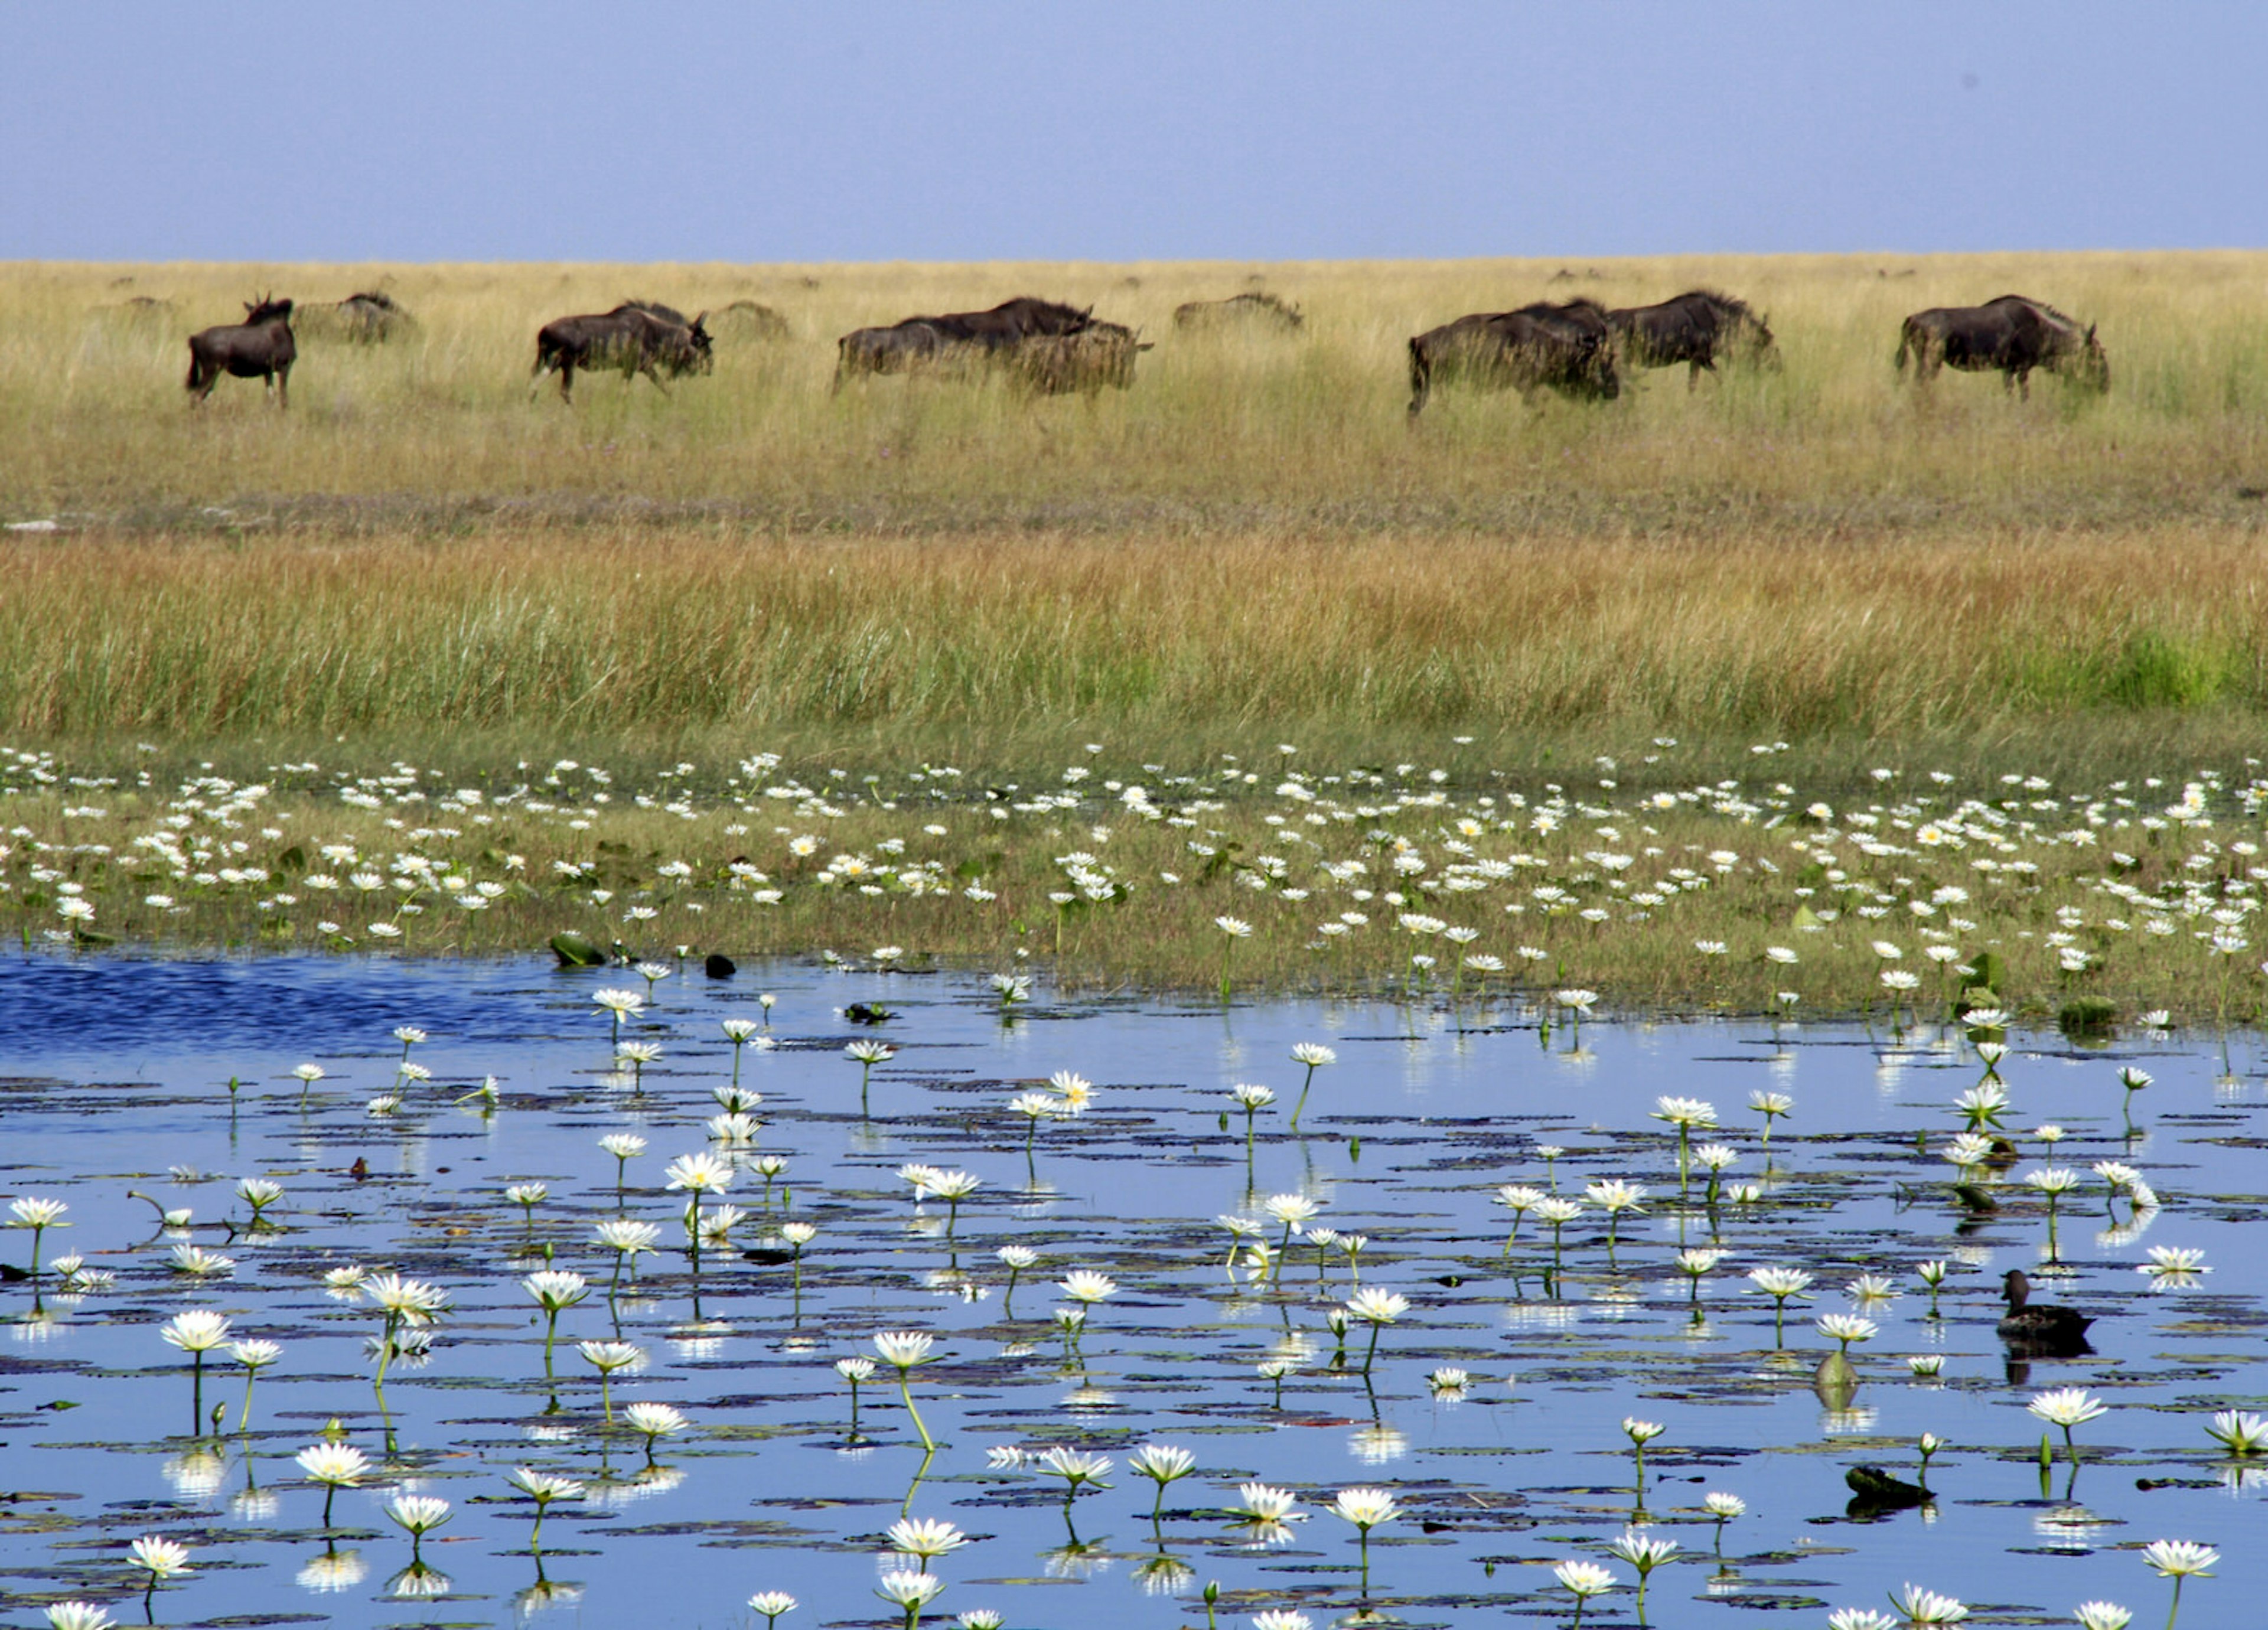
x=1742, y=601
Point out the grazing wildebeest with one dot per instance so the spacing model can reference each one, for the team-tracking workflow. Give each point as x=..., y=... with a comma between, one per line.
x=901, y=347
x=636, y=337
x=749, y=320
x=2012, y=334
x=1010, y=321
x=980, y=335
x=1056, y=365
x=139, y=308
x=1695, y=329
x=1568, y=349
x=370, y=318
x=259, y=348
x=1238, y=311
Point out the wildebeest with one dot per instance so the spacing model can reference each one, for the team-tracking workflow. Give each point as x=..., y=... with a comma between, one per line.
x=1056, y=365
x=901, y=348
x=917, y=343
x=1697, y=329
x=1568, y=349
x=1010, y=321
x=749, y=319
x=636, y=337
x=1238, y=311
x=369, y=318
x=744, y=318
x=259, y=348
x=138, y=308
x=2013, y=334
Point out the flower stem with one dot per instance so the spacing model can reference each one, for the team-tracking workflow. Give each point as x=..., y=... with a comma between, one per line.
x=906, y=1391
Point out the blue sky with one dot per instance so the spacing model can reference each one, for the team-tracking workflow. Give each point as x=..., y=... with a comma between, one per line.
x=1235, y=129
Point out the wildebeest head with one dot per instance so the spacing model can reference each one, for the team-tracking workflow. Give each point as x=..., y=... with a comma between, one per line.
x=1762, y=348
x=267, y=308
x=2092, y=365
x=697, y=353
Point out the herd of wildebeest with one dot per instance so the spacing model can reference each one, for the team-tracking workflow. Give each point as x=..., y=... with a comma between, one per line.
x=1578, y=348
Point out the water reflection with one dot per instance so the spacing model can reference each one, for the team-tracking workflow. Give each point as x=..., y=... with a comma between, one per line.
x=1447, y=1108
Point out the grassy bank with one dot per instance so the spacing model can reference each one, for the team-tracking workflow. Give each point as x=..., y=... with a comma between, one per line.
x=1281, y=871
x=993, y=647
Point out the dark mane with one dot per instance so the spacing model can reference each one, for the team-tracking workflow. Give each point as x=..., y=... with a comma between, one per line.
x=654, y=308
x=2041, y=308
x=1737, y=307
x=1043, y=311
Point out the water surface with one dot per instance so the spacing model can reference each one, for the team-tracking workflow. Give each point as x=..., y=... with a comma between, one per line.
x=116, y=1073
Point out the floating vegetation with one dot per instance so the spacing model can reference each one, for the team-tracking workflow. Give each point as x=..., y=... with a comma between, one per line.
x=580, y=1312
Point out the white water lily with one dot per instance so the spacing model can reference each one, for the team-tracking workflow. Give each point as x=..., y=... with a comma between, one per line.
x=1086, y=1285
x=1928, y=1607
x=2239, y=1432
x=1364, y=1507
x=1263, y=1502
x=925, y=1538
x=1161, y=1463
x=2180, y=1559
x=904, y=1349
x=1584, y=1579
x=771, y=1605
x=196, y=1332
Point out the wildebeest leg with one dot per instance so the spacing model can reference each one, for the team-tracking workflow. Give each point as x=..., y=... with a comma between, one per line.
x=652, y=372
x=2023, y=384
x=567, y=380
x=284, y=387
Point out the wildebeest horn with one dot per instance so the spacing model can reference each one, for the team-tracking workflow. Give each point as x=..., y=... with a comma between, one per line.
x=2091, y=333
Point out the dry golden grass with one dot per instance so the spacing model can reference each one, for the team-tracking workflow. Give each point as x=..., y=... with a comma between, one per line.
x=1250, y=542
x=1004, y=649
x=439, y=429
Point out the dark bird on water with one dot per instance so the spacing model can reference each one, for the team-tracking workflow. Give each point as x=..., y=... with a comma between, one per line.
x=2042, y=1327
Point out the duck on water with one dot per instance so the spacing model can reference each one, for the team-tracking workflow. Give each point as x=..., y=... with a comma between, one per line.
x=2041, y=1328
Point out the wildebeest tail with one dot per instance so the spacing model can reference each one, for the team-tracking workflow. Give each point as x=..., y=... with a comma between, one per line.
x=1908, y=337
x=1421, y=376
